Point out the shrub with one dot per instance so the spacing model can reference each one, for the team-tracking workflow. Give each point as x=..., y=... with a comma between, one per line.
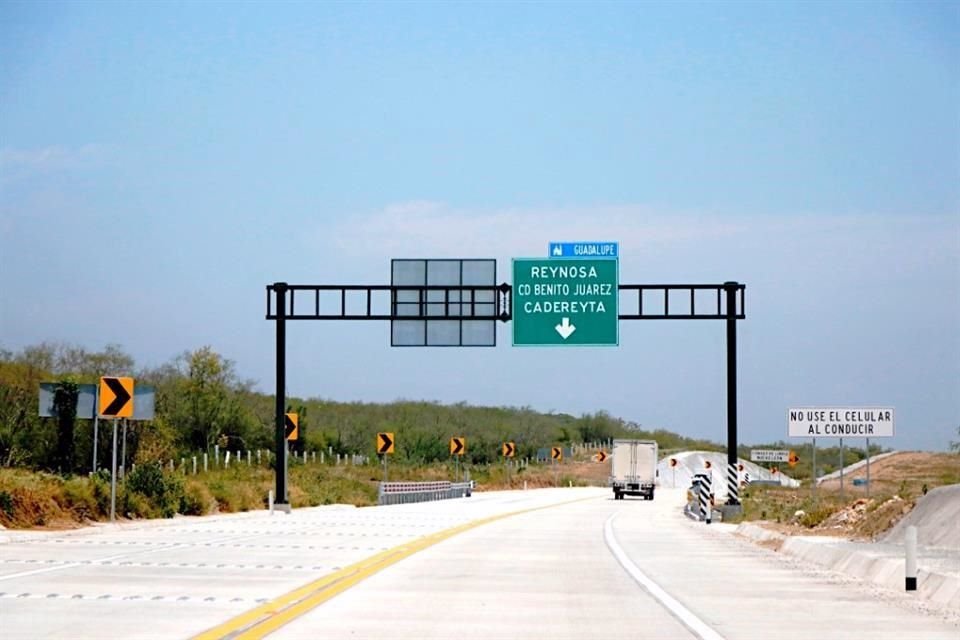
x=100, y=487
x=812, y=518
x=80, y=497
x=135, y=505
x=163, y=490
x=6, y=504
x=197, y=499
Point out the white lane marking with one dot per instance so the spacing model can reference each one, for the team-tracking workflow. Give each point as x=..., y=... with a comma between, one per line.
x=71, y=565
x=700, y=628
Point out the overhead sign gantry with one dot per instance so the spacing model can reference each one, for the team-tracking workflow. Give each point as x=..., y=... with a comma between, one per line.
x=458, y=303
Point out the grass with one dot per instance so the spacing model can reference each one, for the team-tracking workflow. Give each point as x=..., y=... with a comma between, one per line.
x=31, y=499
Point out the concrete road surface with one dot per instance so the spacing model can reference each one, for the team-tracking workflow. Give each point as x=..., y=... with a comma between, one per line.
x=570, y=563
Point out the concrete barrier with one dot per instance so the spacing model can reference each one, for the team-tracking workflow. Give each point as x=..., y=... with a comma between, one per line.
x=882, y=564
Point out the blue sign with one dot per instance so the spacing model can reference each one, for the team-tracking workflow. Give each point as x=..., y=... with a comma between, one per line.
x=592, y=250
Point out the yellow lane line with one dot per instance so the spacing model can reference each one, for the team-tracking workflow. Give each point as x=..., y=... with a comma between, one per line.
x=268, y=617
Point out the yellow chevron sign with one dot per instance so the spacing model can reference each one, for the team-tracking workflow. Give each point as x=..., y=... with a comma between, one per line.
x=385, y=442
x=116, y=397
x=291, y=426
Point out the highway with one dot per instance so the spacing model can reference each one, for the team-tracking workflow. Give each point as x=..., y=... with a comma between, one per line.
x=558, y=563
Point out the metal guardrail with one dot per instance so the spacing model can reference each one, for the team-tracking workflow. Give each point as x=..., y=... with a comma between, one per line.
x=407, y=492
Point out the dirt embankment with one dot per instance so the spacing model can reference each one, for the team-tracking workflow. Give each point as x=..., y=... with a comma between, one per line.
x=905, y=472
x=896, y=484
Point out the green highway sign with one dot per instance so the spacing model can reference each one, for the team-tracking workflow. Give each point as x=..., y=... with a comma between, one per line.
x=565, y=302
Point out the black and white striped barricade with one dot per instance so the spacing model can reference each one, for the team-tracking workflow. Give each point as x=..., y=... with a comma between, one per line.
x=703, y=495
x=733, y=483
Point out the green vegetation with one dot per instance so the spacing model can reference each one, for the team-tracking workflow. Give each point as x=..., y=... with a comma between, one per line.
x=202, y=405
x=37, y=499
x=828, y=458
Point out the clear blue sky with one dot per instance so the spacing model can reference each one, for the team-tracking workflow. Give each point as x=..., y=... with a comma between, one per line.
x=161, y=163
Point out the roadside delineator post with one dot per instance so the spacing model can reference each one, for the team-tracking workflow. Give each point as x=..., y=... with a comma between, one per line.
x=704, y=496
x=910, y=542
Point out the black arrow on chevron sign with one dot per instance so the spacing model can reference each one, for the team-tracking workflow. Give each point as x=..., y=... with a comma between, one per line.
x=121, y=397
x=385, y=443
x=288, y=425
x=457, y=446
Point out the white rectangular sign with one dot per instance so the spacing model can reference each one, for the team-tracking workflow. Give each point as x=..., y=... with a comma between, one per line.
x=840, y=422
x=769, y=455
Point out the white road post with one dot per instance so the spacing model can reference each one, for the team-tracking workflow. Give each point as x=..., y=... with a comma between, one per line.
x=910, y=542
x=205, y=463
x=270, y=501
x=194, y=465
x=706, y=509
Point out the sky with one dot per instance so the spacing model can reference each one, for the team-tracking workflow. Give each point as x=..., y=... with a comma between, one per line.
x=161, y=163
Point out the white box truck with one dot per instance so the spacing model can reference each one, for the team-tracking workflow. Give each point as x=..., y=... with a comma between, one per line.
x=633, y=469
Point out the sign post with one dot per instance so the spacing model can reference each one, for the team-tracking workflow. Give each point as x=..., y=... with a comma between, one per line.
x=458, y=447
x=113, y=476
x=841, y=469
x=385, y=443
x=291, y=432
x=96, y=425
x=115, y=400
x=813, y=486
x=508, y=449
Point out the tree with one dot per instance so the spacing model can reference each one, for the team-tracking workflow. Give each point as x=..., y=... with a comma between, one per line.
x=65, y=396
x=202, y=402
x=19, y=423
x=955, y=445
